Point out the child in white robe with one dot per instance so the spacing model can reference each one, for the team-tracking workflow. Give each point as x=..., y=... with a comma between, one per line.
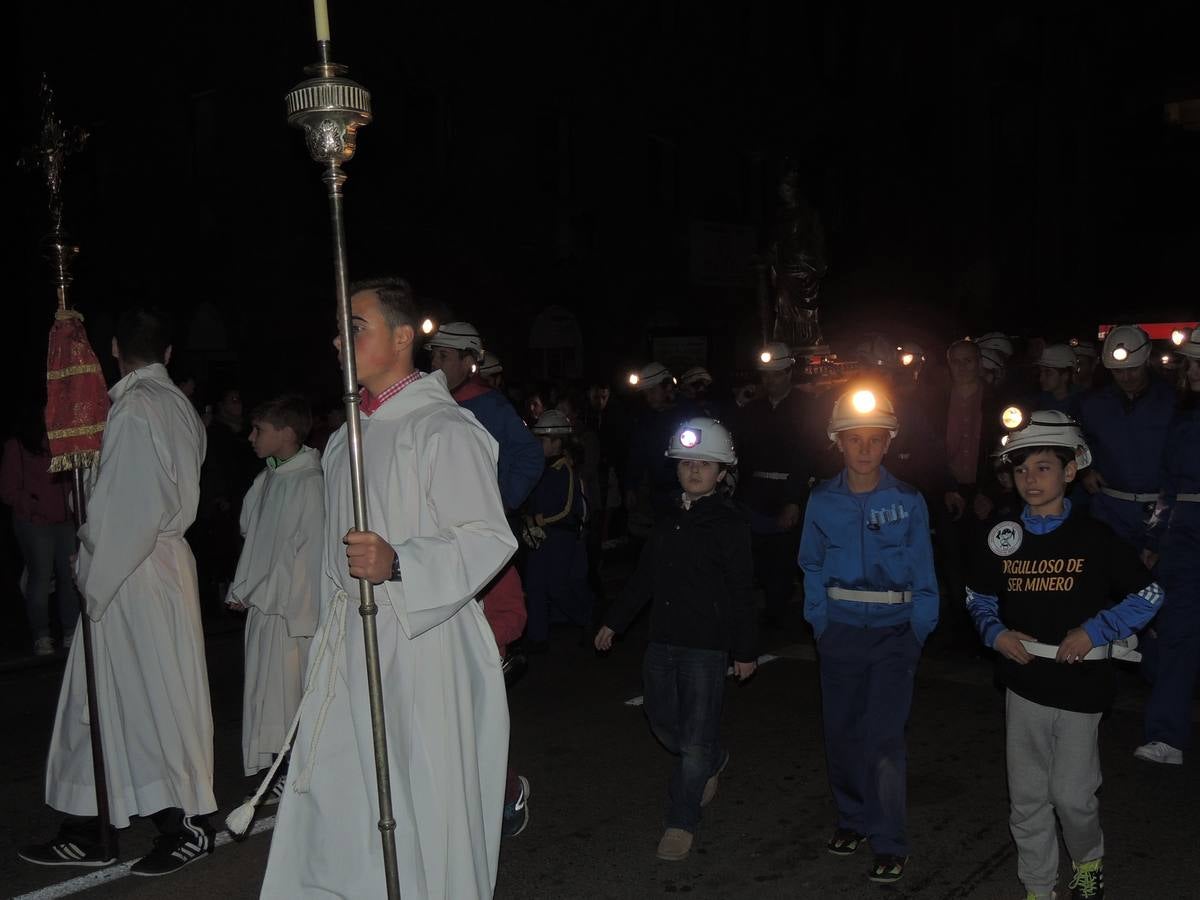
x=278, y=576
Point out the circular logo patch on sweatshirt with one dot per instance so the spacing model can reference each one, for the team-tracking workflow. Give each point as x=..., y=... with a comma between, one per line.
x=1005, y=538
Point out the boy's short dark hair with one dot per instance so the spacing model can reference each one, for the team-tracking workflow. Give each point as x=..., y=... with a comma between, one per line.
x=289, y=411
x=143, y=335
x=395, y=299
x=1018, y=457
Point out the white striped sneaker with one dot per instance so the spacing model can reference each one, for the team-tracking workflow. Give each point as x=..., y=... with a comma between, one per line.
x=174, y=851
x=64, y=852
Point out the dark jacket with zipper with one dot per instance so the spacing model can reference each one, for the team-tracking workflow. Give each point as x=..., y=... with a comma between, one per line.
x=698, y=569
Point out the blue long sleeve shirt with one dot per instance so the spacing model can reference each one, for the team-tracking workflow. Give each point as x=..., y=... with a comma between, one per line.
x=876, y=541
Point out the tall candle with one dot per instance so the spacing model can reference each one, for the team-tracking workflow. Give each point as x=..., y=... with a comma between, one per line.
x=321, y=14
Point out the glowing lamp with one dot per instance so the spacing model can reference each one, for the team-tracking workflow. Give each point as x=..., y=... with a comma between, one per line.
x=1120, y=354
x=1074, y=342
x=1178, y=336
x=474, y=368
x=1004, y=440
x=688, y=438
x=863, y=402
x=1166, y=359
x=764, y=356
x=633, y=379
x=907, y=359
x=1012, y=418
x=427, y=326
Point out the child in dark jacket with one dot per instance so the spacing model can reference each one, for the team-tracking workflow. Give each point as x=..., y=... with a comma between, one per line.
x=698, y=568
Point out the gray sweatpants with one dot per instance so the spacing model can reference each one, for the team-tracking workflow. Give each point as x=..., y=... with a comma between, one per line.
x=1053, y=767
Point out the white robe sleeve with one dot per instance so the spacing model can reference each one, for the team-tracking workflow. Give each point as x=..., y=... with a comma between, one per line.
x=442, y=572
x=305, y=561
x=133, y=498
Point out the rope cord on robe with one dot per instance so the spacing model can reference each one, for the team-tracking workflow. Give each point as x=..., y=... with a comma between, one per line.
x=239, y=820
x=566, y=511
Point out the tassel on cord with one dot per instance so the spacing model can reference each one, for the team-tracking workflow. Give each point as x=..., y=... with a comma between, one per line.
x=238, y=821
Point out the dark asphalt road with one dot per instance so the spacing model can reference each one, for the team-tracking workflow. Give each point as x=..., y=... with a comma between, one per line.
x=599, y=782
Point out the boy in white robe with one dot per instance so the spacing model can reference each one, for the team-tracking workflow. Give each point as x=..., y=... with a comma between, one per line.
x=438, y=535
x=278, y=576
x=138, y=576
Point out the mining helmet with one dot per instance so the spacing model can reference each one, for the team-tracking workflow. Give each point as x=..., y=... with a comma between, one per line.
x=649, y=375
x=996, y=340
x=862, y=408
x=1191, y=347
x=696, y=375
x=490, y=364
x=1083, y=348
x=775, y=357
x=1057, y=356
x=912, y=356
x=457, y=336
x=992, y=360
x=1043, y=428
x=703, y=438
x=552, y=423
x=1126, y=347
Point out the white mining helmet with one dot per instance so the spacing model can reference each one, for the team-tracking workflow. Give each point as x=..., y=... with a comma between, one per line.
x=862, y=409
x=775, y=357
x=490, y=364
x=1126, y=347
x=1191, y=347
x=992, y=360
x=703, y=438
x=1044, y=428
x=996, y=340
x=457, y=336
x=696, y=375
x=1083, y=348
x=552, y=423
x=649, y=375
x=1057, y=356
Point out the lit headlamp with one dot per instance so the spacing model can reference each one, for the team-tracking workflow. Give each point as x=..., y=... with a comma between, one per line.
x=689, y=438
x=907, y=359
x=633, y=379
x=1121, y=352
x=764, y=357
x=1013, y=418
x=427, y=326
x=863, y=402
x=1179, y=337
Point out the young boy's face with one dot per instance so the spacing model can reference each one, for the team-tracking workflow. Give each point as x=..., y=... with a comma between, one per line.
x=267, y=440
x=699, y=477
x=1053, y=380
x=1042, y=481
x=863, y=449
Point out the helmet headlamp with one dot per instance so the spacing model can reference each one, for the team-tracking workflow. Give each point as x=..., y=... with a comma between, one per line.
x=1012, y=418
x=765, y=356
x=427, y=326
x=863, y=402
x=633, y=379
x=689, y=438
x=1120, y=354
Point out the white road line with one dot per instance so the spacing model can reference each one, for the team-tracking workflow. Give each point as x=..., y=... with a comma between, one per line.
x=639, y=699
x=112, y=873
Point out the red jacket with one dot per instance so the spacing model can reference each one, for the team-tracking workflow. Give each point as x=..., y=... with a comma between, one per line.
x=504, y=607
x=27, y=486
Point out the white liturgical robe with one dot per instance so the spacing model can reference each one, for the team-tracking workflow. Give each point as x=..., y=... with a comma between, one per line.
x=138, y=576
x=430, y=471
x=278, y=578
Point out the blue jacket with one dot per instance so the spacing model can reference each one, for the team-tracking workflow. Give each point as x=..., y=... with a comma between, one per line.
x=521, y=458
x=878, y=541
x=1127, y=441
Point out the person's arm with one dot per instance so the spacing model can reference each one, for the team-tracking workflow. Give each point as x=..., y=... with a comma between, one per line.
x=984, y=610
x=924, y=577
x=133, y=497
x=521, y=458
x=306, y=562
x=1127, y=617
x=738, y=576
x=811, y=558
x=441, y=572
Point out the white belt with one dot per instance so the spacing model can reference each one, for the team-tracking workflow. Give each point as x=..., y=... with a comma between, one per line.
x=773, y=476
x=1188, y=498
x=1125, y=495
x=1122, y=649
x=891, y=597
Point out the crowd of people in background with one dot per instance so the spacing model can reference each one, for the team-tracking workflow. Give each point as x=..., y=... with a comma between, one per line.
x=588, y=466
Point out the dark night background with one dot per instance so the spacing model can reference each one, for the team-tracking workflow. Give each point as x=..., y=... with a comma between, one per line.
x=1034, y=168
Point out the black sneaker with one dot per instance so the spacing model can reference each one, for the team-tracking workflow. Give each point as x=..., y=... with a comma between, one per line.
x=174, y=851
x=516, y=814
x=888, y=868
x=64, y=851
x=1088, y=883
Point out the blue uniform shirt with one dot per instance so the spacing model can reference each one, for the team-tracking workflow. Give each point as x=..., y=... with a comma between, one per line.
x=1127, y=441
x=521, y=459
x=876, y=541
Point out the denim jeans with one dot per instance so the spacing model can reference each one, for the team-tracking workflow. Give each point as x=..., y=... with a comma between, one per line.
x=684, y=687
x=47, y=550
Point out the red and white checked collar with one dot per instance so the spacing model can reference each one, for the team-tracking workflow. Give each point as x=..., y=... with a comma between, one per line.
x=369, y=404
